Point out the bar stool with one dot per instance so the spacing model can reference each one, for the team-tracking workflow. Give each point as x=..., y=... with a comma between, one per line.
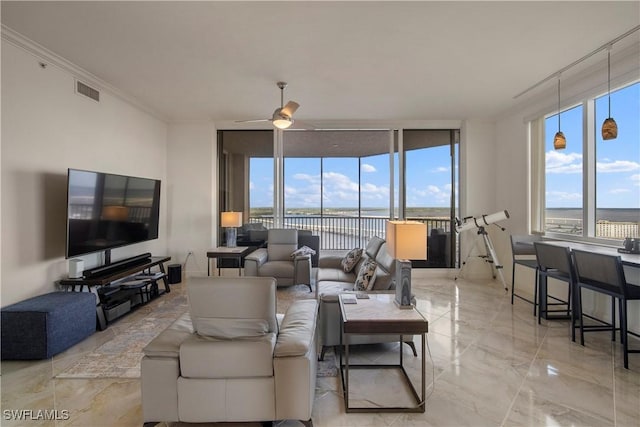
x=554, y=261
x=604, y=274
x=522, y=245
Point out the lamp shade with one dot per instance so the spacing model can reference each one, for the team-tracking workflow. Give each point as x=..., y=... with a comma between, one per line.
x=231, y=219
x=559, y=141
x=407, y=239
x=609, y=129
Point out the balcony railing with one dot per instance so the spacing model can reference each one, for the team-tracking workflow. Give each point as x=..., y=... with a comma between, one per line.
x=345, y=232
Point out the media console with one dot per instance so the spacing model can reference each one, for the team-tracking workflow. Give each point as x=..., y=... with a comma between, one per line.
x=117, y=295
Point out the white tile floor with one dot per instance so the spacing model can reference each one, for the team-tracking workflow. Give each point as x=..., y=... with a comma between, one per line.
x=492, y=365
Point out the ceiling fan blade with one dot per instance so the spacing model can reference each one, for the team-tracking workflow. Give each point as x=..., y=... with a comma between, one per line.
x=252, y=121
x=290, y=108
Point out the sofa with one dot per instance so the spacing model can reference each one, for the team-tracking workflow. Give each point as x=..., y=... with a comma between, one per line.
x=279, y=261
x=331, y=280
x=231, y=358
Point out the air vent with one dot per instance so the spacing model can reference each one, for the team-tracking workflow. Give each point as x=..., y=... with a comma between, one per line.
x=87, y=91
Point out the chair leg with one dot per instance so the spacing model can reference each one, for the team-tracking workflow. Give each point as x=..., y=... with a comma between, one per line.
x=542, y=295
x=613, y=319
x=513, y=281
x=322, y=352
x=412, y=345
x=535, y=292
x=579, y=309
x=623, y=328
x=574, y=312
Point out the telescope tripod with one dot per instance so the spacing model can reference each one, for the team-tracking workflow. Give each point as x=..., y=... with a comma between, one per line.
x=490, y=257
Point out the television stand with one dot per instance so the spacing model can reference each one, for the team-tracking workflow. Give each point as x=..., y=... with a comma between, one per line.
x=115, y=299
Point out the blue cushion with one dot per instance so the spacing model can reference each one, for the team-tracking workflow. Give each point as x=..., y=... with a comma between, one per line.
x=43, y=326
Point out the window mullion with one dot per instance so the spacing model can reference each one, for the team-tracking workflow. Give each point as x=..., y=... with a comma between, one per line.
x=589, y=170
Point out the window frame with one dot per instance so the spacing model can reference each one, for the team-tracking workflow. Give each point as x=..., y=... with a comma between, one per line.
x=538, y=184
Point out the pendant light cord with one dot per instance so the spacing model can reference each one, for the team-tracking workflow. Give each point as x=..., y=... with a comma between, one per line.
x=584, y=58
x=558, y=102
x=609, y=78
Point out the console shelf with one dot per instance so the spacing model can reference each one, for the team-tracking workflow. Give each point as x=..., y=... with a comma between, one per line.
x=117, y=299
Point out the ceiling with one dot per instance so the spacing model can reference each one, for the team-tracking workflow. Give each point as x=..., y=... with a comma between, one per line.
x=344, y=61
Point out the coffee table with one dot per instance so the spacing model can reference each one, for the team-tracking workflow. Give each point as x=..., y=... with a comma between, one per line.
x=380, y=315
x=238, y=252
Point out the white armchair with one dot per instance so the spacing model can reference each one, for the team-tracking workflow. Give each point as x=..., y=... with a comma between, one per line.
x=231, y=358
x=276, y=261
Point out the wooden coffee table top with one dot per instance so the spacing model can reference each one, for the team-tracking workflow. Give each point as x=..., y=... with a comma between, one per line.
x=380, y=315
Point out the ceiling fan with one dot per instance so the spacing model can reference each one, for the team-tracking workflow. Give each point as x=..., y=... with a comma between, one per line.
x=282, y=117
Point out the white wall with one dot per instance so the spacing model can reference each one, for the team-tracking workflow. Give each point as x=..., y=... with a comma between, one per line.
x=192, y=193
x=47, y=128
x=479, y=161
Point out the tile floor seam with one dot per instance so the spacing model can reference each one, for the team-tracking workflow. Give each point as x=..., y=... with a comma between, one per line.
x=524, y=378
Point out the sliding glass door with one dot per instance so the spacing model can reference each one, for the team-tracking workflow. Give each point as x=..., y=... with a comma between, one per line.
x=344, y=185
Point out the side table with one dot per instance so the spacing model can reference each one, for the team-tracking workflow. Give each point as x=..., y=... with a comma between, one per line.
x=238, y=253
x=379, y=315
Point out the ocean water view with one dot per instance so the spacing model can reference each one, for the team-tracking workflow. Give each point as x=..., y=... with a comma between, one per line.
x=612, y=215
x=341, y=228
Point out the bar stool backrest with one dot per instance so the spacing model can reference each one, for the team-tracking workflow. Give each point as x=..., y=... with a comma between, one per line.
x=554, y=257
x=522, y=244
x=600, y=271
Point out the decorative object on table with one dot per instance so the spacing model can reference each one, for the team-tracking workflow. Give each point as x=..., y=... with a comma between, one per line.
x=609, y=127
x=630, y=246
x=231, y=220
x=406, y=240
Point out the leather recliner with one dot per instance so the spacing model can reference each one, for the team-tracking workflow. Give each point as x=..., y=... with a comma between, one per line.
x=231, y=358
x=276, y=259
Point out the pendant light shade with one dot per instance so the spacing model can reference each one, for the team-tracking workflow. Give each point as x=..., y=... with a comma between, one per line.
x=609, y=127
x=559, y=141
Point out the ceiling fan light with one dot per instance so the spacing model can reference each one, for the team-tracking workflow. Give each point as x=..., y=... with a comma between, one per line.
x=609, y=129
x=559, y=141
x=282, y=123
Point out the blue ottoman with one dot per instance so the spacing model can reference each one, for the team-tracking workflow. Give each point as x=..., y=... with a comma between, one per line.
x=43, y=326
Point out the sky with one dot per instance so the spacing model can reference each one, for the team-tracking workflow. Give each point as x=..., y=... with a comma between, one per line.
x=428, y=180
x=617, y=160
x=429, y=170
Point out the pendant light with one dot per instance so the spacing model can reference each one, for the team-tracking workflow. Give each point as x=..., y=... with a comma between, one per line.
x=559, y=141
x=609, y=127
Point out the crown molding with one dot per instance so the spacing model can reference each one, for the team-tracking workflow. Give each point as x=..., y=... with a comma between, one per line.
x=51, y=58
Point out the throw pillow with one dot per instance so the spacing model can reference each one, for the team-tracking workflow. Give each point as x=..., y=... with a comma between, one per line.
x=351, y=259
x=365, y=278
x=305, y=250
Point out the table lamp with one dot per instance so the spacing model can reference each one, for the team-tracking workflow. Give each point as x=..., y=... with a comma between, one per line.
x=231, y=220
x=406, y=240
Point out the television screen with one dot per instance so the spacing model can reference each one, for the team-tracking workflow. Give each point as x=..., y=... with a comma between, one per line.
x=106, y=211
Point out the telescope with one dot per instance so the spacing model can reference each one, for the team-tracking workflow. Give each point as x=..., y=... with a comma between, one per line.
x=470, y=222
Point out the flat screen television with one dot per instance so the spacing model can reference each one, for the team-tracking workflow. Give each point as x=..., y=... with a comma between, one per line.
x=106, y=211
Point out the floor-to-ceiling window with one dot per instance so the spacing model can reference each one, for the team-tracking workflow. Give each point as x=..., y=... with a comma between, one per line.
x=345, y=185
x=430, y=177
x=245, y=175
x=563, y=173
x=617, y=177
